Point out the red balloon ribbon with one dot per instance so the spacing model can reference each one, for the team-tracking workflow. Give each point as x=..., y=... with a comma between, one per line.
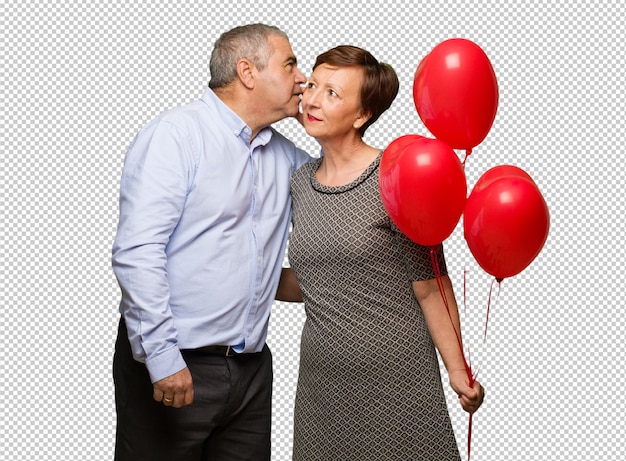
x=471, y=376
x=473, y=371
x=499, y=281
x=468, y=152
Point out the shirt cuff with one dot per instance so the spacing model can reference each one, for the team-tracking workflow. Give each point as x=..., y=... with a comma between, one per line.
x=165, y=364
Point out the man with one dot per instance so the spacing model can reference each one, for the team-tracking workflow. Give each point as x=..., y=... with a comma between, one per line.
x=204, y=216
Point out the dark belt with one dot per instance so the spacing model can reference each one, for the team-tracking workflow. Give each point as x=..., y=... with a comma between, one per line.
x=226, y=351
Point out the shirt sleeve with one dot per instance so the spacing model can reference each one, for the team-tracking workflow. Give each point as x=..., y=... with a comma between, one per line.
x=157, y=175
x=302, y=157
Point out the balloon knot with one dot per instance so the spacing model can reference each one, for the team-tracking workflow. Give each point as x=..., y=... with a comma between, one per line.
x=468, y=152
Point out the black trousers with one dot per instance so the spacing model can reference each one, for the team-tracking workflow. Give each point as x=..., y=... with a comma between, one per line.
x=229, y=419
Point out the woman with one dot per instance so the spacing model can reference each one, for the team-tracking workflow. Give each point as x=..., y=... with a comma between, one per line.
x=369, y=385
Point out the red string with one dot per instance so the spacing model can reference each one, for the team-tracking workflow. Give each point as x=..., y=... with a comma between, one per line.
x=469, y=436
x=468, y=152
x=435, y=263
x=465, y=291
x=470, y=376
x=489, y=305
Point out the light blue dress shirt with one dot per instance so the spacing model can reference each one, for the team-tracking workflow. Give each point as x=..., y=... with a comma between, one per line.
x=203, y=225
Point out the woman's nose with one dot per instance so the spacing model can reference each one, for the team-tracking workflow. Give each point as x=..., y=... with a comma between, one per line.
x=309, y=97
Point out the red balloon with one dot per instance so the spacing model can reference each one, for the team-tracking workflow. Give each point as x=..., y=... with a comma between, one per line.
x=395, y=147
x=423, y=188
x=506, y=224
x=393, y=150
x=456, y=93
x=500, y=171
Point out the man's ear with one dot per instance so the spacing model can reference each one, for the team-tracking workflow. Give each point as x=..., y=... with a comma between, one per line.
x=246, y=71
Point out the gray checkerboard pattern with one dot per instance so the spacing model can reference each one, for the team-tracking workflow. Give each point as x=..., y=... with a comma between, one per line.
x=78, y=79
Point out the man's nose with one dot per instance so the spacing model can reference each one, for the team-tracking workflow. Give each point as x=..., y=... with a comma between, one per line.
x=300, y=77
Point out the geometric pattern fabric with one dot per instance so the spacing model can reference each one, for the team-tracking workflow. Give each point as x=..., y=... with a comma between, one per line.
x=369, y=386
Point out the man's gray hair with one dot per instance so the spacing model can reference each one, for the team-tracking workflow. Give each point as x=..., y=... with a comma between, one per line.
x=243, y=42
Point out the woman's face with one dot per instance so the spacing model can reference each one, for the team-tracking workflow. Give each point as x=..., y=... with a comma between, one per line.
x=331, y=103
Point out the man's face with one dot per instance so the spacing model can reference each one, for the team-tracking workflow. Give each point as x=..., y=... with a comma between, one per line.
x=280, y=82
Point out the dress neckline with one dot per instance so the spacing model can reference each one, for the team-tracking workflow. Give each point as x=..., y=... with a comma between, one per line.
x=318, y=186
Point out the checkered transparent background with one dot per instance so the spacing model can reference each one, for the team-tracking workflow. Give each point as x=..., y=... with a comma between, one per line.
x=78, y=79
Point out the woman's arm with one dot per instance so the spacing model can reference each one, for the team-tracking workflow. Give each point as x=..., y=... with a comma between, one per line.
x=448, y=341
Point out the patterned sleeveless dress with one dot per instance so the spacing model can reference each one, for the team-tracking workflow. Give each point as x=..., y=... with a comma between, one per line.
x=369, y=384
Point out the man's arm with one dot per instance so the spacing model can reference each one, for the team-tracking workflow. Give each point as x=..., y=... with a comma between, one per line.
x=152, y=195
x=288, y=287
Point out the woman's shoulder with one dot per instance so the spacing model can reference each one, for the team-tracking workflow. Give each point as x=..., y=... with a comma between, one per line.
x=307, y=169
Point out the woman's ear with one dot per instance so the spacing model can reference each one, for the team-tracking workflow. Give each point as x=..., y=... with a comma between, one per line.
x=361, y=120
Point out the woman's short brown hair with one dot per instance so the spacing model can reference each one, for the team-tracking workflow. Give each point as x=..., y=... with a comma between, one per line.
x=380, y=82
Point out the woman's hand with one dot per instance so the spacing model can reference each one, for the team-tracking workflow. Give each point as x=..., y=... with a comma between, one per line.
x=470, y=398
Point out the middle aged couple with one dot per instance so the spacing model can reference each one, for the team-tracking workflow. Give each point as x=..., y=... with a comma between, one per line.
x=207, y=196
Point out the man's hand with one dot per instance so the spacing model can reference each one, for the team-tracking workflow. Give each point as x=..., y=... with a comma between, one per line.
x=176, y=390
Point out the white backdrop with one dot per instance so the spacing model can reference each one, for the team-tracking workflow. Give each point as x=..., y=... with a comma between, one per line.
x=78, y=79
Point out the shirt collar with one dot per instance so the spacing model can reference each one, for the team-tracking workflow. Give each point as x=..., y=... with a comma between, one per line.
x=233, y=122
